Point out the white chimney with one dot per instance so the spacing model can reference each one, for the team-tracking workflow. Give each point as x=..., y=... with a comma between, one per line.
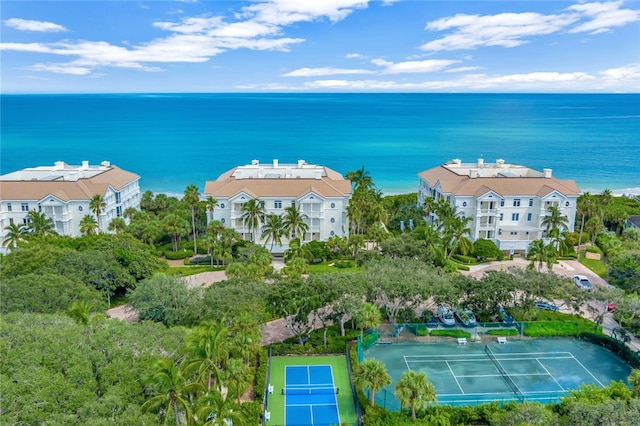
x=457, y=161
x=275, y=163
x=58, y=165
x=318, y=174
x=300, y=163
x=473, y=173
x=499, y=162
x=480, y=163
x=547, y=173
x=85, y=165
x=255, y=162
x=105, y=164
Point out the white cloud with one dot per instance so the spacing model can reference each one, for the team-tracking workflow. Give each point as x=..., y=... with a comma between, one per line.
x=504, y=29
x=353, y=56
x=316, y=72
x=514, y=29
x=258, y=26
x=603, y=16
x=463, y=69
x=629, y=73
x=429, y=65
x=28, y=25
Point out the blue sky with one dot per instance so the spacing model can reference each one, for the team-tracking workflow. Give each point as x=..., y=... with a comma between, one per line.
x=320, y=45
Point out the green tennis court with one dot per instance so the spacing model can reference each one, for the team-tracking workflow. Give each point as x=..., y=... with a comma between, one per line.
x=541, y=370
x=313, y=390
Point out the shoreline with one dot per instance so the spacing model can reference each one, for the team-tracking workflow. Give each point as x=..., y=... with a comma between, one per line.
x=623, y=192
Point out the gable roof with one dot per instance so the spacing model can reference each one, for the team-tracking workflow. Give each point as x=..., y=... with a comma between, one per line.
x=81, y=189
x=463, y=185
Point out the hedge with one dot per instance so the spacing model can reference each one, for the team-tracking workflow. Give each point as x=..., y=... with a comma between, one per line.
x=559, y=328
x=178, y=255
x=616, y=346
x=451, y=333
x=503, y=332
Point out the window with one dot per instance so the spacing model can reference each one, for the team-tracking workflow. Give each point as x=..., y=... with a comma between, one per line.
x=25, y=221
x=515, y=216
x=529, y=217
x=501, y=203
x=9, y=208
x=222, y=205
x=516, y=202
x=79, y=208
x=332, y=233
x=464, y=204
x=530, y=202
x=117, y=198
x=501, y=216
x=222, y=220
x=567, y=204
x=293, y=203
x=24, y=207
x=513, y=233
x=10, y=221
x=262, y=204
x=119, y=211
x=277, y=204
x=333, y=205
x=490, y=220
x=499, y=231
x=333, y=220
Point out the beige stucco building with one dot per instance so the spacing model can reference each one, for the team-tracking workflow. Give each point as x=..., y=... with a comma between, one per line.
x=63, y=192
x=506, y=201
x=320, y=193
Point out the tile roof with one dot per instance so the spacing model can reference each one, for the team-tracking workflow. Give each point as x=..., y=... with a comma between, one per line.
x=82, y=189
x=462, y=185
x=330, y=185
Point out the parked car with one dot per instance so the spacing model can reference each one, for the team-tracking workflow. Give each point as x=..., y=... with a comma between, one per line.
x=505, y=317
x=611, y=307
x=546, y=306
x=582, y=282
x=465, y=316
x=445, y=315
x=432, y=321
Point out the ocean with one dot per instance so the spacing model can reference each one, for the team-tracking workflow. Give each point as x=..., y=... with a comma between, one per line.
x=172, y=140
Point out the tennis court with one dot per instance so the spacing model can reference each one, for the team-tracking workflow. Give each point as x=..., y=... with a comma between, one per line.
x=310, y=391
x=541, y=370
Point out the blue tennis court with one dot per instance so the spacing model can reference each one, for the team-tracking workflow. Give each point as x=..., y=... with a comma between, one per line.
x=310, y=396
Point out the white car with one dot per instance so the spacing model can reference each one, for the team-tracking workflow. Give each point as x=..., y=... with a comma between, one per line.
x=582, y=282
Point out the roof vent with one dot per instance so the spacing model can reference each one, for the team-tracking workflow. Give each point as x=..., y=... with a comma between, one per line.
x=547, y=173
x=105, y=164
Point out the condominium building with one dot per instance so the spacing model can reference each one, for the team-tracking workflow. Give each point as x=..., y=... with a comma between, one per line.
x=321, y=194
x=507, y=202
x=63, y=192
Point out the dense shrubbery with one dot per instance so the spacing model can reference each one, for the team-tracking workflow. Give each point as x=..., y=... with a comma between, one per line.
x=178, y=255
x=564, y=328
x=451, y=333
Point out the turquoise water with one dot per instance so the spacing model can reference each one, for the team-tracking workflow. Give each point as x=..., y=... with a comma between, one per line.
x=176, y=139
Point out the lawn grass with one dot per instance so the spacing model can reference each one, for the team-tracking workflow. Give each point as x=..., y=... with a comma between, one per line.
x=323, y=268
x=595, y=265
x=559, y=328
x=183, y=271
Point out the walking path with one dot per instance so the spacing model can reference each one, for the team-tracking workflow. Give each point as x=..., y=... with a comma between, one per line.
x=276, y=331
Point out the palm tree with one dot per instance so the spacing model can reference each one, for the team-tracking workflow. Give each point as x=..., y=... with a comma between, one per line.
x=540, y=252
x=429, y=205
x=216, y=410
x=252, y=214
x=118, y=225
x=211, y=204
x=80, y=311
x=555, y=222
x=368, y=316
x=208, y=345
x=606, y=199
x=15, y=234
x=97, y=206
x=176, y=226
x=294, y=222
x=273, y=230
x=172, y=390
x=415, y=390
x=130, y=213
x=192, y=198
x=372, y=374
x=238, y=373
x=88, y=225
x=38, y=224
x=586, y=207
x=456, y=231
x=297, y=250
x=360, y=178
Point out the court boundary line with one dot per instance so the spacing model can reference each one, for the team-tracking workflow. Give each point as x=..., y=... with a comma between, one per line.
x=588, y=371
x=333, y=385
x=484, y=358
x=455, y=378
x=551, y=375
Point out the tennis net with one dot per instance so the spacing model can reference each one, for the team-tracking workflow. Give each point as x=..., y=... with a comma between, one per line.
x=504, y=374
x=310, y=391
